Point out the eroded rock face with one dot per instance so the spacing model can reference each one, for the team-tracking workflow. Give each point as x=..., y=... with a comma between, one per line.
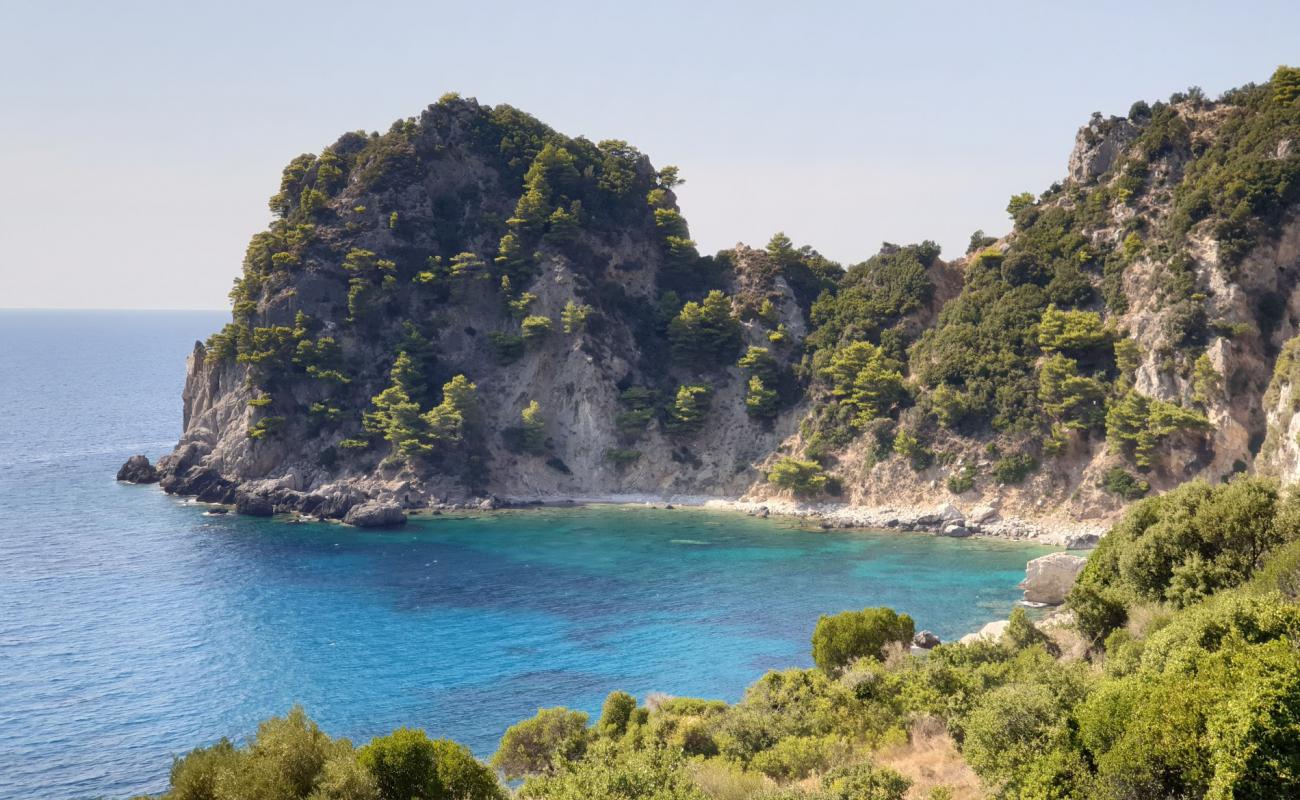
x=1048, y=579
x=137, y=469
x=375, y=514
x=1098, y=145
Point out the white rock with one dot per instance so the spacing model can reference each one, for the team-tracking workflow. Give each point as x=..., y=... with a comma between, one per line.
x=990, y=632
x=983, y=514
x=1049, y=578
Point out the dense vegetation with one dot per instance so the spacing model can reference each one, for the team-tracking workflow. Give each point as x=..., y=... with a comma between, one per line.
x=1182, y=680
x=1028, y=360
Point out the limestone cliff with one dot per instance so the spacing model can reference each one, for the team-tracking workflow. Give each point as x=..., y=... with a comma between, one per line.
x=1121, y=339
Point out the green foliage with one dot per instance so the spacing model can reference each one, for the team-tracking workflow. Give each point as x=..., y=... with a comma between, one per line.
x=532, y=436
x=865, y=380
x=1075, y=401
x=760, y=401
x=801, y=477
x=413, y=432
x=541, y=744
x=1071, y=331
x=615, y=774
x=507, y=348
x=840, y=639
x=1014, y=468
x=574, y=317
x=865, y=782
x=535, y=327
x=621, y=457
x=909, y=446
x=1119, y=481
x=616, y=714
x=1181, y=547
x=705, y=332
x=1136, y=425
x=687, y=411
x=962, y=481
x=638, y=403
x=404, y=764
x=1207, y=383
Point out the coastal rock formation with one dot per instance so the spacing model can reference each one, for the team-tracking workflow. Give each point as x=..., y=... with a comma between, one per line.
x=473, y=305
x=375, y=515
x=137, y=469
x=925, y=640
x=991, y=632
x=1048, y=579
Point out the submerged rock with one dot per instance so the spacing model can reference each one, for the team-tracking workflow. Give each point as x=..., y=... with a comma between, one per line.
x=375, y=515
x=137, y=469
x=1048, y=579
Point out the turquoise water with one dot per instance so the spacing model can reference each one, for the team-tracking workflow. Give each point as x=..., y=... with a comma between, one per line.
x=133, y=627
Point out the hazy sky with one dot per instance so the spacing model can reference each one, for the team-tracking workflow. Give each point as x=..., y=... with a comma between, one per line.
x=140, y=141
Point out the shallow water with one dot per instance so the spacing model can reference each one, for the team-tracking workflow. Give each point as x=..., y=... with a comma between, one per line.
x=133, y=627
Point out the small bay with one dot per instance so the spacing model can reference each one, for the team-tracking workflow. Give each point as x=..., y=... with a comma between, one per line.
x=133, y=626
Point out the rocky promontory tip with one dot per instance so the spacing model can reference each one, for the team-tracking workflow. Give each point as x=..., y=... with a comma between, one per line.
x=137, y=469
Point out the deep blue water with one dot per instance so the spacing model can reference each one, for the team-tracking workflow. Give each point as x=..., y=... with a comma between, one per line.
x=133, y=627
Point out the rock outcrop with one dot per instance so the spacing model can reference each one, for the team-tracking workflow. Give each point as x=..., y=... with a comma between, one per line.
x=137, y=469
x=375, y=515
x=599, y=355
x=1048, y=579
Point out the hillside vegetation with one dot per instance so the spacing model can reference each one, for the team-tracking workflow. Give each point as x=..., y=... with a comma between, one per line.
x=472, y=303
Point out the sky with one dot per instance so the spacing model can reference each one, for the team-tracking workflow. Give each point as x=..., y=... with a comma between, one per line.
x=139, y=141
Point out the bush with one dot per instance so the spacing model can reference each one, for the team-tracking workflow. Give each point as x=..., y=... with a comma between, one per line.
x=615, y=714
x=801, y=477
x=405, y=765
x=1118, y=481
x=1008, y=729
x=840, y=639
x=686, y=414
x=541, y=744
x=1181, y=547
x=1014, y=468
x=705, y=332
x=535, y=327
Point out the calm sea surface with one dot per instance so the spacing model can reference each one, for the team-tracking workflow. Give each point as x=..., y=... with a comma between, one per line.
x=133, y=627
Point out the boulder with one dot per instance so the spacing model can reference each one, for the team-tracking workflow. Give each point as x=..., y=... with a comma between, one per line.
x=991, y=632
x=137, y=469
x=1081, y=541
x=955, y=530
x=982, y=515
x=1049, y=578
x=375, y=514
x=949, y=513
x=254, y=505
x=925, y=640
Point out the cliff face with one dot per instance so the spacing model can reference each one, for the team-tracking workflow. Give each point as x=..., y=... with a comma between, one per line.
x=1123, y=338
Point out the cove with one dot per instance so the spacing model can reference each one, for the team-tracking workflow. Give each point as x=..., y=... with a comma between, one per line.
x=133, y=626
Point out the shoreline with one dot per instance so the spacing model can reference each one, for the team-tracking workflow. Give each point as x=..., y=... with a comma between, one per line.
x=941, y=520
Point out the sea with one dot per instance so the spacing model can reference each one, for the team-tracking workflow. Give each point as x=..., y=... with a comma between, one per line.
x=134, y=626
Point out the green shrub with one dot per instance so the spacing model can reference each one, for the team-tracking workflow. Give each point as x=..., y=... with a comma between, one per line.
x=616, y=714
x=1118, y=480
x=541, y=744
x=705, y=332
x=687, y=412
x=1014, y=468
x=801, y=477
x=840, y=639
